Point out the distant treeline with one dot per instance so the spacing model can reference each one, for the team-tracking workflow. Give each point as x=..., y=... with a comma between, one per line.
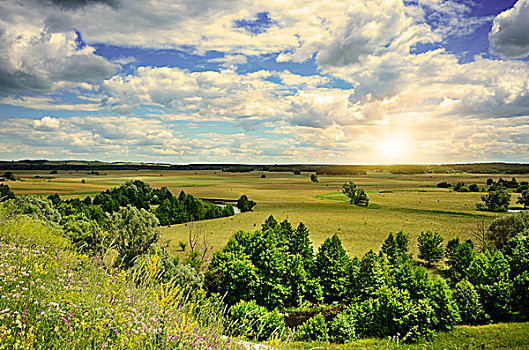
x=320, y=169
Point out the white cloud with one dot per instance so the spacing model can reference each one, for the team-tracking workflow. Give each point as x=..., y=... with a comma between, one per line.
x=39, y=56
x=46, y=124
x=509, y=36
x=47, y=103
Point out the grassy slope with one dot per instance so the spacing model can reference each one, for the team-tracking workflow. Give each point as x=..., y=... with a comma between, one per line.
x=411, y=203
x=496, y=336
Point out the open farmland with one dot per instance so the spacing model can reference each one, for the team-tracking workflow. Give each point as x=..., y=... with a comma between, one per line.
x=411, y=203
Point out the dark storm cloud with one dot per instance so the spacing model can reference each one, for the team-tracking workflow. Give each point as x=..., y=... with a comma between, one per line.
x=76, y=4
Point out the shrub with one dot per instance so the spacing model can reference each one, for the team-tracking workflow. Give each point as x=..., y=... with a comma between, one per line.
x=342, y=328
x=467, y=300
x=33, y=206
x=497, y=200
x=248, y=319
x=86, y=234
x=505, y=227
x=392, y=312
x=133, y=232
x=244, y=204
x=473, y=188
x=443, y=184
x=5, y=193
x=314, y=329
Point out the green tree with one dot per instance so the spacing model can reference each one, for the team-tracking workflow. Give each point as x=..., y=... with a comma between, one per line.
x=445, y=307
x=313, y=178
x=244, y=204
x=356, y=195
x=524, y=199
x=9, y=176
x=350, y=189
x=314, y=329
x=331, y=266
x=133, y=231
x=299, y=243
x=473, y=188
x=395, y=247
x=430, y=247
x=233, y=273
x=459, y=258
x=5, y=193
x=370, y=277
x=497, y=200
x=467, y=300
x=505, y=227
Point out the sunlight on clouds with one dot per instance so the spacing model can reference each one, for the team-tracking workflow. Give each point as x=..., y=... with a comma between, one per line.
x=347, y=81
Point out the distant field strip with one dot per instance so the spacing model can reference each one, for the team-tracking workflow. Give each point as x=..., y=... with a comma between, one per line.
x=340, y=197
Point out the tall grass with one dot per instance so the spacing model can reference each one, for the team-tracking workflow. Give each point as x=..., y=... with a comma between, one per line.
x=54, y=298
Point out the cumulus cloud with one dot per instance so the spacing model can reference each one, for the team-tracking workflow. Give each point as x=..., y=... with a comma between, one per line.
x=46, y=124
x=509, y=36
x=38, y=56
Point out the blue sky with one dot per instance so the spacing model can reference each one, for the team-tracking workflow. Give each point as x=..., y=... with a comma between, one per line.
x=348, y=82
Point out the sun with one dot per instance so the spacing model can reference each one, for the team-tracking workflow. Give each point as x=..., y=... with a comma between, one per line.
x=392, y=149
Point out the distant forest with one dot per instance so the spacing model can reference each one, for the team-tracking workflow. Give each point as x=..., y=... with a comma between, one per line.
x=320, y=169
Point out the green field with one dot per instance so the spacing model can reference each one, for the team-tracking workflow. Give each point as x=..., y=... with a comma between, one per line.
x=411, y=203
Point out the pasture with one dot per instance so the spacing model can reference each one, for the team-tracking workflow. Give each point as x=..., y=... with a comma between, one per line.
x=411, y=203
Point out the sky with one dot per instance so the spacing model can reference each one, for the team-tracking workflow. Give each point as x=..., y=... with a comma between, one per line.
x=265, y=81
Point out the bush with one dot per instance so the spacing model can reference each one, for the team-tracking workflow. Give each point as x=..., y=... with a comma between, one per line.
x=244, y=204
x=497, y=200
x=86, y=234
x=248, y=319
x=392, y=312
x=473, y=188
x=443, y=184
x=505, y=227
x=5, y=193
x=33, y=206
x=467, y=300
x=342, y=328
x=314, y=329
x=9, y=176
x=133, y=232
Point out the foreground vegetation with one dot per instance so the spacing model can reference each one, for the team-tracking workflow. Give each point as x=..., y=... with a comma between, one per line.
x=54, y=297
x=274, y=285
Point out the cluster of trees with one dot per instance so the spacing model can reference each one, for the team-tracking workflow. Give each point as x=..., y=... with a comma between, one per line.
x=131, y=232
x=185, y=208
x=9, y=176
x=355, y=194
x=382, y=294
x=459, y=187
x=170, y=209
x=243, y=204
x=5, y=193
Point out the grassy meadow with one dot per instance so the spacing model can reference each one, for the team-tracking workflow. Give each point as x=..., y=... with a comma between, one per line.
x=411, y=203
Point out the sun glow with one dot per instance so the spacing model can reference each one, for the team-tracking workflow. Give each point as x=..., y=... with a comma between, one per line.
x=393, y=149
